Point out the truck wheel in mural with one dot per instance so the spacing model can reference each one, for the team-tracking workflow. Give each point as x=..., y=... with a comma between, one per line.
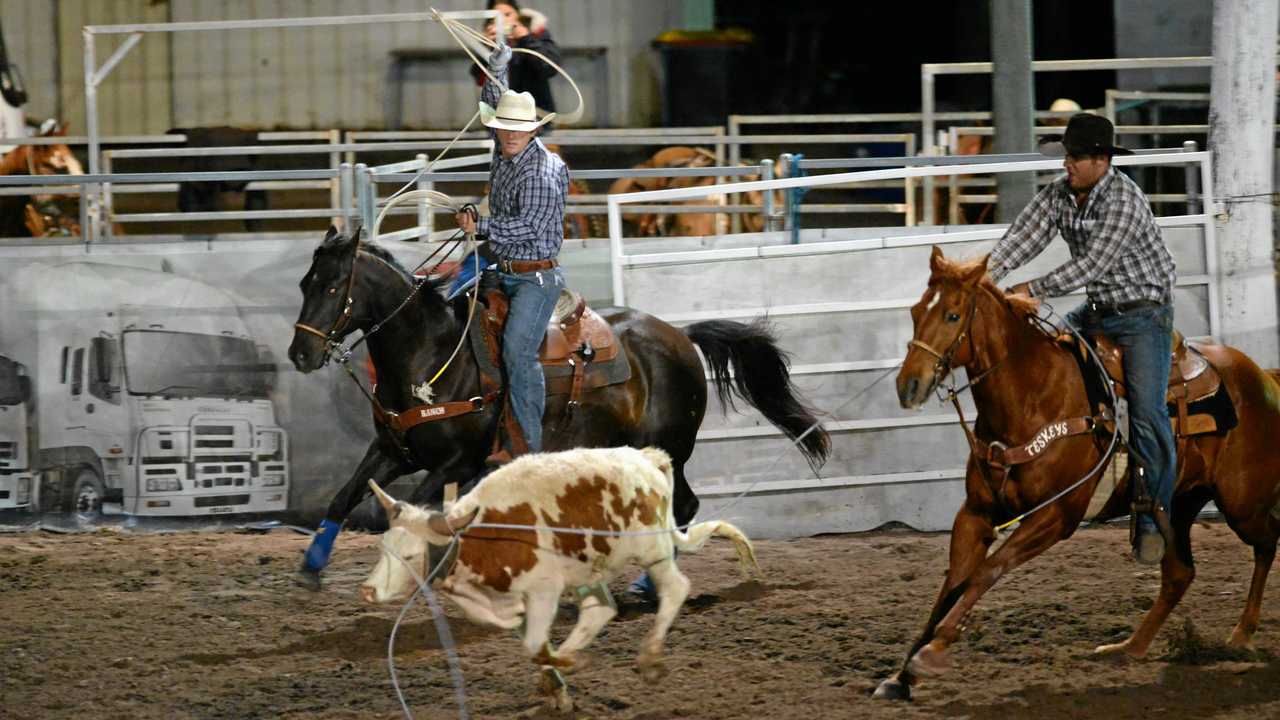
x=86, y=493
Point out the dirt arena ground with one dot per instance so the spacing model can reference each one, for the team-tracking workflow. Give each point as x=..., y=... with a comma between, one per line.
x=187, y=625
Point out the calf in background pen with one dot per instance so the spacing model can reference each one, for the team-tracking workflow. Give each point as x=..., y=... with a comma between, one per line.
x=513, y=578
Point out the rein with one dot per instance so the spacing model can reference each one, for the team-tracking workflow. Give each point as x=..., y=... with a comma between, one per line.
x=997, y=455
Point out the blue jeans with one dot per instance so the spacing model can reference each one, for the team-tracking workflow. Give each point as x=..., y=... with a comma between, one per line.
x=1144, y=336
x=532, y=297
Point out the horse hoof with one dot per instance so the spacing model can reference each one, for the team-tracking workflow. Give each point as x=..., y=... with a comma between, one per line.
x=892, y=689
x=1240, y=641
x=308, y=578
x=929, y=662
x=1118, y=650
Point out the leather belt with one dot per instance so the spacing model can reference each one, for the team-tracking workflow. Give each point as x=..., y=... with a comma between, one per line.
x=1108, y=309
x=517, y=267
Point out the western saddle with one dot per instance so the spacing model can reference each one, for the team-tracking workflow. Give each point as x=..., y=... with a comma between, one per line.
x=1191, y=378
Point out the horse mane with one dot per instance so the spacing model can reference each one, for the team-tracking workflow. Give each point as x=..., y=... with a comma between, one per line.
x=431, y=294
x=958, y=270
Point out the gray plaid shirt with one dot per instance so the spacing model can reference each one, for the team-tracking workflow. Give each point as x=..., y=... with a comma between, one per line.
x=526, y=197
x=1116, y=249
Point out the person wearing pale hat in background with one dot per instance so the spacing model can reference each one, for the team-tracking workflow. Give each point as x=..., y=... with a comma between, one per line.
x=524, y=229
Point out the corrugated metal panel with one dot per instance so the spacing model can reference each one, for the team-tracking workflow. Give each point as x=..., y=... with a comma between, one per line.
x=135, y=97
x=30, y=35
x=337, y=77
x=307, y=77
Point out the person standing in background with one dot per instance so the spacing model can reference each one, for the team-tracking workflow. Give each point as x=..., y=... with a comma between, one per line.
x=525, y=29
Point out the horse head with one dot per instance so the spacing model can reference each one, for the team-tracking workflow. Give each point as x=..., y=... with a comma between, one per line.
x=329, y=309
x=55, y=159
x=941, y=323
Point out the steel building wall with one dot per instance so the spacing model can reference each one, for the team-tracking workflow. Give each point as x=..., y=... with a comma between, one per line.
x=331, y=77
x=135, y=97
x=31, y=38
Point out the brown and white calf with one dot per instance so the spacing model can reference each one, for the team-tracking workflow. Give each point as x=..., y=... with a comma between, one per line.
x=513, y=578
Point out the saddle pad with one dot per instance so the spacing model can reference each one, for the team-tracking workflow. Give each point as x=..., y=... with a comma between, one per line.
x=1217, y=406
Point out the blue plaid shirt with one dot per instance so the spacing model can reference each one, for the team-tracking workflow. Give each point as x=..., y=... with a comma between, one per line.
x=526, y=197
x=1117, y=251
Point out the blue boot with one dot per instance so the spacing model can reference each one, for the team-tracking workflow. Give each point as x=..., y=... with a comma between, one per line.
x=317, y=555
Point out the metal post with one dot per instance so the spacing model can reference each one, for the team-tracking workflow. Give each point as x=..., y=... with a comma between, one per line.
x=928, y=129
x=909, y=185
x=785, y=160
x=91, y=128
x=345, y=182
x=108, y=201
x=362, y=182
x=335, y=163
x=84, y=215
x=1013, y=100
x=1192, y=171
x=766, y=203
x=426, y=218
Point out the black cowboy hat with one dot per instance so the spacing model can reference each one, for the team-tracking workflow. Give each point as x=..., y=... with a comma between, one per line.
x=1087, y=134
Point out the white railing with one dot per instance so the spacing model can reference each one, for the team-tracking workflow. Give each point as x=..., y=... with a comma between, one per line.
x=620, y=260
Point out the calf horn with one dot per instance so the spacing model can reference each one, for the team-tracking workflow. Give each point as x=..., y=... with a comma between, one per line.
x=384, y=499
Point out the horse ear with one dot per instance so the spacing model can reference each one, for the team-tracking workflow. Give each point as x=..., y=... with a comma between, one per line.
x=356, y=226
x=977, y=272
x=936, y=259
x=333, y=231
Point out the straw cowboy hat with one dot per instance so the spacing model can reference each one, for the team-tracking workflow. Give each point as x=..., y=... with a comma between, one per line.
x=516, y=111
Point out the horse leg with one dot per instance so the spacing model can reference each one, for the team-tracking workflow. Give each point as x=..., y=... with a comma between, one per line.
x=1037, y=534
x=684, y=502
x=971, y=536
x=376, y=465
x=1177, y=570
x=1263, y=555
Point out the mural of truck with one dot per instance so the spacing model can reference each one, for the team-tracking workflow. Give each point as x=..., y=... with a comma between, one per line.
x=15, y=449
x=145, y=391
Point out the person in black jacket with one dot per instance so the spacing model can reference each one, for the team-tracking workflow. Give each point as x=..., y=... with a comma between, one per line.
x=526, y=29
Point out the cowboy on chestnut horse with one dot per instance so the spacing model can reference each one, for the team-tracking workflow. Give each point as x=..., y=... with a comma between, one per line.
x=1118, y=255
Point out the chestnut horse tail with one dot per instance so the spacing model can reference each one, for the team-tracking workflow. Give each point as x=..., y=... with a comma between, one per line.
x=761, y=376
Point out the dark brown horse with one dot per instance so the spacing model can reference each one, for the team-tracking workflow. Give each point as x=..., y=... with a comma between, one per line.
x=1029, y=382
x=27, y=216
x=661, y=405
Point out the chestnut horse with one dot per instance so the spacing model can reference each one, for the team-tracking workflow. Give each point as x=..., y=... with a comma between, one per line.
x=1026, y=381
x=27, y=216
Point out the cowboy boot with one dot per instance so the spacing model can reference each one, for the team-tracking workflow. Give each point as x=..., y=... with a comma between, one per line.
x=514, y=445
x=1149, y=545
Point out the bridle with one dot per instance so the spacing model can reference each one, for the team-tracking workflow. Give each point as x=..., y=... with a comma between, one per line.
x=332, y=339
x=942, y=368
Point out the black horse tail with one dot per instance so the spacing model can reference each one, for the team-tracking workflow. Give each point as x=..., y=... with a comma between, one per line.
x=761, y=376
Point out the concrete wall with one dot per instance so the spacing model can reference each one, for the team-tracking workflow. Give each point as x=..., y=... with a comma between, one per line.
x=1163, y=28
x=304, y=78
